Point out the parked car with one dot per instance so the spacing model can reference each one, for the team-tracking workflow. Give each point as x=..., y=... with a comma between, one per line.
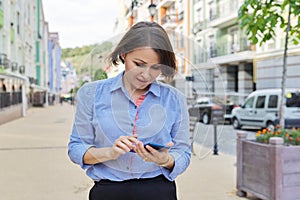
x=261, y=109
x=206, y=108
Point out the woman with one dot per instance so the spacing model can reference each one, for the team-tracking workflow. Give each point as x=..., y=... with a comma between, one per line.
x=116, y=117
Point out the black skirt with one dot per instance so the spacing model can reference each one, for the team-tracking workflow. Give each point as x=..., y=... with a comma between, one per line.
x=157, y=188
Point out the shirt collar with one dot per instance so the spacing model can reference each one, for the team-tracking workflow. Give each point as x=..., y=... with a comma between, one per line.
x=118, y=84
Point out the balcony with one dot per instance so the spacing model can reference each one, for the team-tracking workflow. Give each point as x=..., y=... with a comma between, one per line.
x=234, y=53
x=225, y=14
x=169, y=21
x=224, y=48
x=198, y=27
x=165, y=3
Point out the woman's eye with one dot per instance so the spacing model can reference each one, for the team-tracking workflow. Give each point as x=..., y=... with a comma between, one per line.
x=139, y=64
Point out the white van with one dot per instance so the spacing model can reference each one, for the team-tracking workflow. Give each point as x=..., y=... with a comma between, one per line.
x=261, y=108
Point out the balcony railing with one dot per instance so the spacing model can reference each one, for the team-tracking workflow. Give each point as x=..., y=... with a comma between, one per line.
x=224, y=48
x=224, y=9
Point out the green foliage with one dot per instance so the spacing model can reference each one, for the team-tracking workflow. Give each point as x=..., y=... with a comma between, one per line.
x=260, y=18
x=80, y=57
x=85, y=50
x=100, y=74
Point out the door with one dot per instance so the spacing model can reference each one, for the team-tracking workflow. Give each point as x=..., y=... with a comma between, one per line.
x=246, y=113
x=259, y=112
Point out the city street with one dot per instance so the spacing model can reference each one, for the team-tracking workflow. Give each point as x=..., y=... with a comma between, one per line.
x=35, y=165
x=226, y=138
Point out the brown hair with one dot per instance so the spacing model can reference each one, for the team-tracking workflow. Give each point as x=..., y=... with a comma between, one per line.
x=147, y=34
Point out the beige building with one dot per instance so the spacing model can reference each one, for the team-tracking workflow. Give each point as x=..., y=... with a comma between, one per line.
x=214, y=56
x=174, y=18
x=23, y=56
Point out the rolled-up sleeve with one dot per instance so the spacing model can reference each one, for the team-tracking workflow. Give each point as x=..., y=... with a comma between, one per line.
x=181, y=151
x=82, y=136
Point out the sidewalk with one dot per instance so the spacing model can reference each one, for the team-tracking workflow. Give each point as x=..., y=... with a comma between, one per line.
x=35, y=165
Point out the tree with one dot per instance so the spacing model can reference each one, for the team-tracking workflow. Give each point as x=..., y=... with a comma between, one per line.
x=260, y=20
x=100, y=74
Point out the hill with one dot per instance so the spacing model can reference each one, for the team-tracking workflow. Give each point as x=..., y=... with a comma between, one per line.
x=87, y=59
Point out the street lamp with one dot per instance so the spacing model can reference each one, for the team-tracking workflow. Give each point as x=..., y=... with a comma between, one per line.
x=152, y=10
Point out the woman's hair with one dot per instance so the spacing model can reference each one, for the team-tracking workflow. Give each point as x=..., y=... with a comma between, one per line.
x=147, y=34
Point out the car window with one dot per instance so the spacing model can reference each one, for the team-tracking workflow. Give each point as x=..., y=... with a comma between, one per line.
x=293, y=100
x=273, y=101
x=249, y=103
x=260, y=102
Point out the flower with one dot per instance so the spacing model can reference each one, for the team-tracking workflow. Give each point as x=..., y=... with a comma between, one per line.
x=290, y=136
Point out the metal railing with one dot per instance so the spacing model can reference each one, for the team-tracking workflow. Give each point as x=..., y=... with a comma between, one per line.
x=10, y=98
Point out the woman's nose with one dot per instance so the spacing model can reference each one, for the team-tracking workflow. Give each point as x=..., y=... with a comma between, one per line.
x=146, y=73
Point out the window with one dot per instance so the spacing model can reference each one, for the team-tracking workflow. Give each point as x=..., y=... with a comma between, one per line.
x=212, y=51
x=18, y=23
x=180, y=10
x=293, y=100
x=249, y=103
x=28, y=14
x=198, y=52
x=260, y=103
x=198, y=15
x=180, y=41
x=234, y=41
x=212, y=10
x=273, y=101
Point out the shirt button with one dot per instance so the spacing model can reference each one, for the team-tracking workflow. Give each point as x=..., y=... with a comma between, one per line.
x=131, y=124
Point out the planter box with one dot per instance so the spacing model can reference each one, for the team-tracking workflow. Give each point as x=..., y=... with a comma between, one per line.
x=268, y=171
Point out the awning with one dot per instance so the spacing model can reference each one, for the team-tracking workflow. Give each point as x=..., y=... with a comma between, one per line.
x=8, y=74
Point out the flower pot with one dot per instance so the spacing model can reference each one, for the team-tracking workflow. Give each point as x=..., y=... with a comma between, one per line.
x=268, y=171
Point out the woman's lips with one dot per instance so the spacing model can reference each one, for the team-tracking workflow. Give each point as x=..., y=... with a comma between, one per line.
x=142, y=81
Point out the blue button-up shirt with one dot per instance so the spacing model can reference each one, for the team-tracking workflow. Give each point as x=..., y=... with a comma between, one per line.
x=105, y=112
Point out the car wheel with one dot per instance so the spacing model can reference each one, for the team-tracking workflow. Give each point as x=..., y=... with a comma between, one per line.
x=270, y=126
x=236, y=123
x=205, y=118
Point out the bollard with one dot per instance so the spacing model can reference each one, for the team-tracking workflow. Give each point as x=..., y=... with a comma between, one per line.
x=215, y=122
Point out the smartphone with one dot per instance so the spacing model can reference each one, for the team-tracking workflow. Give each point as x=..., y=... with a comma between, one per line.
x=157, y=146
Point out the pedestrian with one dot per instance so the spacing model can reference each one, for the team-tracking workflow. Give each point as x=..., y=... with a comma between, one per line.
x=116, y=118
x=61, y=99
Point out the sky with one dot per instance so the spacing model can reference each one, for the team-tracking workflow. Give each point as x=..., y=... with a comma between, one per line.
x=81, y=22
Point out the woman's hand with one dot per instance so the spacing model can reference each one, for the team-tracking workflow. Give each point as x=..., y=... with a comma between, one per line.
x=123, y=145
x=160, y=157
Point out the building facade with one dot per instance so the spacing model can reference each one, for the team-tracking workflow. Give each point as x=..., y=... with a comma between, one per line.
x=24, y=57
x=214, y=56
x=55, y=53
x=174, y=17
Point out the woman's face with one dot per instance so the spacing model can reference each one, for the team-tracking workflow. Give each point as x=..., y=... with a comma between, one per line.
x=141, y=68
